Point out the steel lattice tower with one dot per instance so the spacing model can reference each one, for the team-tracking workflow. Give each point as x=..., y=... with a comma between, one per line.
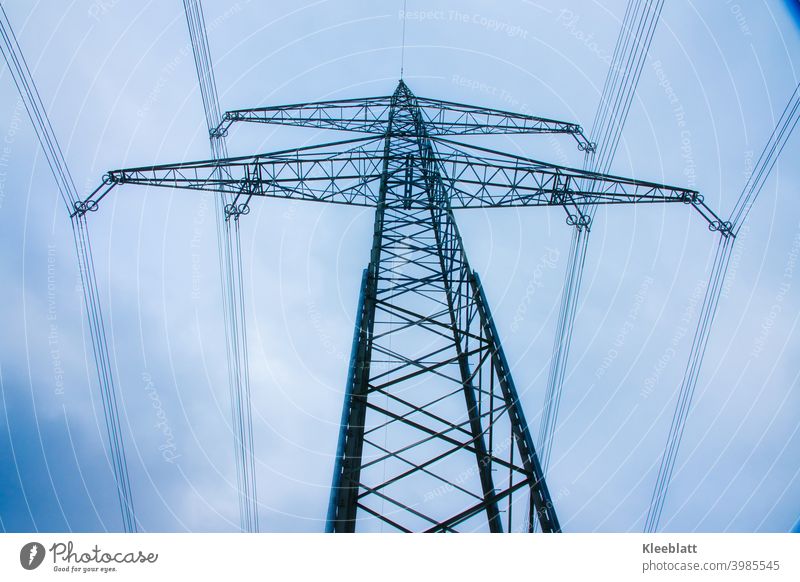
x=433, y=436
x=428, y=375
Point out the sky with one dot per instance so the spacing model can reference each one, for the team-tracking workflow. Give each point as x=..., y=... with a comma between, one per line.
x=119, y=84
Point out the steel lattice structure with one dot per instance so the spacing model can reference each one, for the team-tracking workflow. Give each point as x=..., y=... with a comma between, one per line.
x=433, y=436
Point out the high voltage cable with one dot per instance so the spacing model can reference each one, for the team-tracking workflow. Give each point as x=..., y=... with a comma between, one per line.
x=561, y=343
x=617, y=108
x=752, y=188
x=699, y=343
x=230, y=262
x=766, y=161
x=633, y=44
x=68, y=192
x=104, y=372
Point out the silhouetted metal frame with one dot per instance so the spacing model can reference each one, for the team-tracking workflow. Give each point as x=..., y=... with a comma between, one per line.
x=455, y=175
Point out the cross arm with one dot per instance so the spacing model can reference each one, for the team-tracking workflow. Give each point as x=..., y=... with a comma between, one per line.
x=365, y=115
x=371, y=115
x=480, y=178
x=450, y=118
x=331, y=173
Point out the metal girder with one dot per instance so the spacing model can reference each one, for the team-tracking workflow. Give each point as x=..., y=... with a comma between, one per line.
x=335, y=173
x=366, y=115
x=371, y=115
x=480, y=178
x=331, y=173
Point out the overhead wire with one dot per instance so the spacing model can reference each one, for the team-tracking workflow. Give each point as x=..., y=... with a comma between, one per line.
x=69, y=195
x=230, y=264
x=627, y=62
x=708, y=311
x=766, y=161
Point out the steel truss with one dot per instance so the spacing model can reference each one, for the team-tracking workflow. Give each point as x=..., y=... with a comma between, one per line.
x=433, y=436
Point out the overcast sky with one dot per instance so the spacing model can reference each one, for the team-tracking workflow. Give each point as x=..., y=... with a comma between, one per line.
x=119, y=83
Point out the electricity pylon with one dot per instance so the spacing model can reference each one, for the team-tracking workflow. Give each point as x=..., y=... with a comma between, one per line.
x=433, y=436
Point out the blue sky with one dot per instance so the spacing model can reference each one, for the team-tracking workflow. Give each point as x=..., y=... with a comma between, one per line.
x=119, y=84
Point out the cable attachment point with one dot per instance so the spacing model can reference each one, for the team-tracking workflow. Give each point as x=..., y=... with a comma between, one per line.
x=580, y=221
x=218, y=132
x=722, y=226
x=82, y=207
x=236, y=210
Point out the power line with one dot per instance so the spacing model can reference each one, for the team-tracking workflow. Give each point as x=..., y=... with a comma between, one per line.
x=750, y=192
x=633, y=44
x=91, y=296
x=230, y=264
